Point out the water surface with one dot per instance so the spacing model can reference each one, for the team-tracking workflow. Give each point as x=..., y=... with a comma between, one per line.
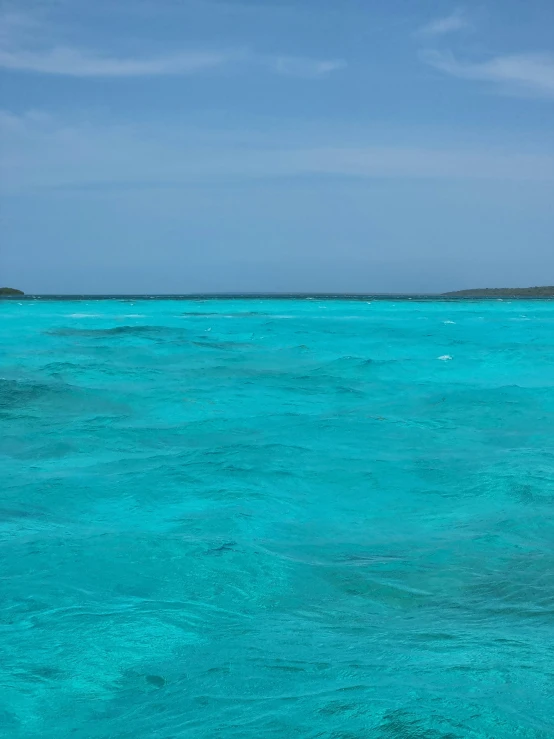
x=303, y=518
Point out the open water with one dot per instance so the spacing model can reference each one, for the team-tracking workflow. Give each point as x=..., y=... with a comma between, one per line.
x=274, y=519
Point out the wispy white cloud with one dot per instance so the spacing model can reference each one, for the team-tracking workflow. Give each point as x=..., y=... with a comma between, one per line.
x=76, y=63
x=29, y=45
x=524, y=74
x=456, y=21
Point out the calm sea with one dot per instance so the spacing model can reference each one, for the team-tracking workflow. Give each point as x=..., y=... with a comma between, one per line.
x=276, y=519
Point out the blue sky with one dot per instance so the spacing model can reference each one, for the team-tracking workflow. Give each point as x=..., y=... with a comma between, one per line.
x=284, y=145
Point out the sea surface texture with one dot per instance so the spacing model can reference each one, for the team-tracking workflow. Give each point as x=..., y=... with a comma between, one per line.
x=276, y=519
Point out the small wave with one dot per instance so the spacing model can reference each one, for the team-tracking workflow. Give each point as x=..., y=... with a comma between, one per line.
x=445, y=357
x=148, y=331
x=227, y=345
x=452, y=322
x=16, y=393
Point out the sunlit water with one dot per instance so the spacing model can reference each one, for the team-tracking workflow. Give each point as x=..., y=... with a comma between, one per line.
x=276, y=519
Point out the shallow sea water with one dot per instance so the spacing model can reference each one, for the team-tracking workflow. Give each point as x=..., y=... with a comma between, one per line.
x=284, y=519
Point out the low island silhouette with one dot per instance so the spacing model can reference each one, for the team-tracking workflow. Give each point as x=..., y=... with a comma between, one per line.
x=505, y=292
x=10, y=292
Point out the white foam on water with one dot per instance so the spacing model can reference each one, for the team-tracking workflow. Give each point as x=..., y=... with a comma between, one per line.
x=445, y=357
x=449, y=322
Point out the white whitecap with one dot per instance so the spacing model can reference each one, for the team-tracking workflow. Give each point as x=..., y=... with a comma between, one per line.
x=445, y=357
x=449, y=322
x=84, y=315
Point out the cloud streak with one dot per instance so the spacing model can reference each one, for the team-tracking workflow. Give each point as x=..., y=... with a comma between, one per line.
x=442, y=26
x=20, y=51
x=524, y=74
x=74, y=63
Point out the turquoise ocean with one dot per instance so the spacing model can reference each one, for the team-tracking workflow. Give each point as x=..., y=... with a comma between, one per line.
x=276, y=518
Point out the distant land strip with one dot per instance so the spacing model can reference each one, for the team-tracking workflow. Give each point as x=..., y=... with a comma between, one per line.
x=505, y=292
